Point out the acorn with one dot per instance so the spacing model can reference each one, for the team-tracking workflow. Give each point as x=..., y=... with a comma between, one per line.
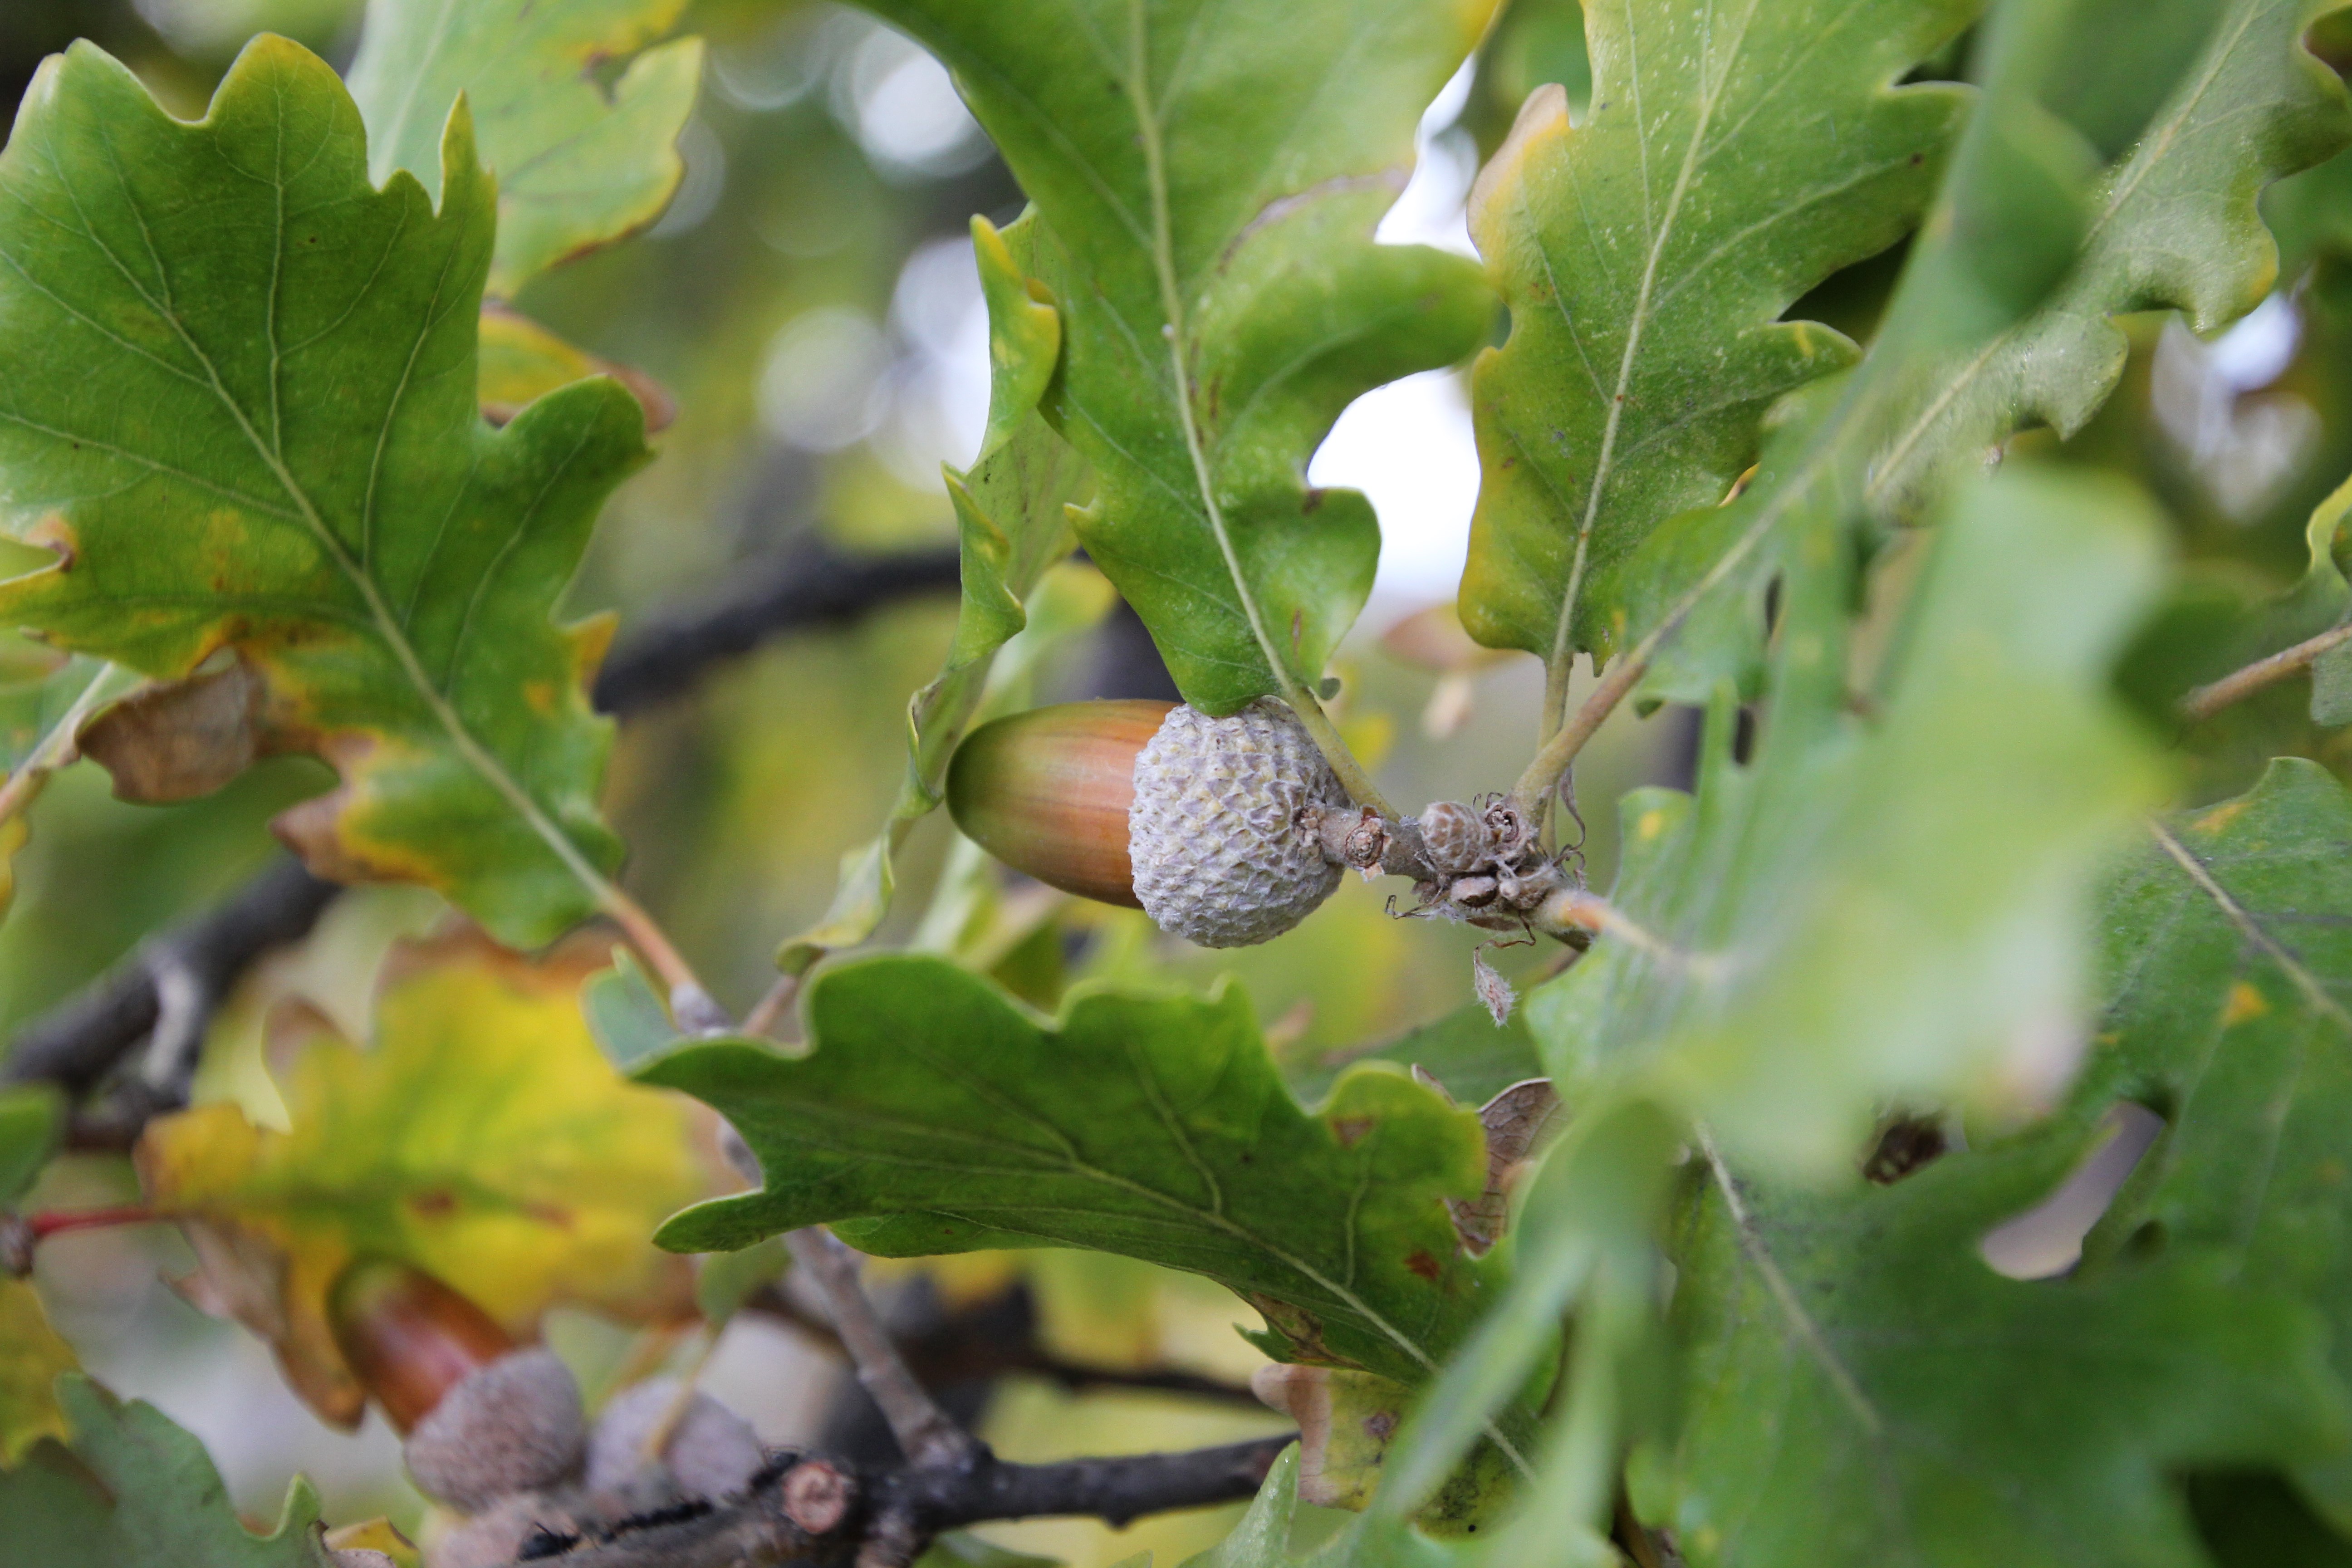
x=483, y=1418
x=409, y=1338
x=1206, y=824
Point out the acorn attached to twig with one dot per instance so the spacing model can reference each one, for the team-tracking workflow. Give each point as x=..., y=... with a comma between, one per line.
x=1209, y=826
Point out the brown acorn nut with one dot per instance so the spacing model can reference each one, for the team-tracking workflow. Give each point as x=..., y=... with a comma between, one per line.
x=1047, y=792
x=1205, y=824
x=409, y=1338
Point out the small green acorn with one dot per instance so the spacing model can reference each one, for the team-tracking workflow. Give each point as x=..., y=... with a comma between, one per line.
x=1206, y=824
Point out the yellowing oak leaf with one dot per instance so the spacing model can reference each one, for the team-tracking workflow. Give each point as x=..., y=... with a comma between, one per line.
x=241, y=410
x=31, y=1357
x=484, y=1139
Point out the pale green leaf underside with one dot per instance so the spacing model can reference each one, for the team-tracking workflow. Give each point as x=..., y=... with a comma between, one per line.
x=1864, y=1390
x=576, y=167
x=242, y=413
x=1879, y=908
x=1737, y=153
x=1208, y=178
x=933, y=1115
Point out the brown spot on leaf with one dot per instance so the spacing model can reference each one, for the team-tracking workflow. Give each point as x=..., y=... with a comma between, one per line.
x=1351, y=1130
x=1424, y=1265
x=1311, y=502
x=434, y=1203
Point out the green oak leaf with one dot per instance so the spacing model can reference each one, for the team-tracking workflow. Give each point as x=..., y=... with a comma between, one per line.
x=2231, y=969
x=32, y=1118
x=1012, y=527
x=134, y=1490
x=578, y=167
x=2172, y=225
x=2026, y=213
x=1466, y=1051
x=244, y=420
x=1888, y=905
x=1207, y=180
x=1734, y=156
x=934, y=1115
x=1859, y=1388
x=1586, y=1239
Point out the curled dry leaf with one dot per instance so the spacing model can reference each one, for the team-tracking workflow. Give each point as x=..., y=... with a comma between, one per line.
x=1519, y=1121
x=483, y=1139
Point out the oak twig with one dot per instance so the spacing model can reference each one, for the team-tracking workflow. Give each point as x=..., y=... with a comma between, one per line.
x=997, y=1338
x=758, y=1530
x=77, y=1044
x=925, y=1434
x=2206, y=700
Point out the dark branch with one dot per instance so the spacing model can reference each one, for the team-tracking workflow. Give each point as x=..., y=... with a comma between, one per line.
x=757, y=1530
x=82, y=1041
x=79, y=1043
x=998, y=1338
x=810, y=586
x=1117, y=1489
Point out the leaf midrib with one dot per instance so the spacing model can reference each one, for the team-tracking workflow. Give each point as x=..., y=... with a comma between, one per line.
x=1563, y=635
x=387, y=628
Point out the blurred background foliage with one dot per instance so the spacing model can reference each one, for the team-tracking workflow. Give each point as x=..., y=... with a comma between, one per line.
x=811, y=300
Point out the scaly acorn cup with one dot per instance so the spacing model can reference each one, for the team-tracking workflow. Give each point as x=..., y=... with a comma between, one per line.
x=1205, y=823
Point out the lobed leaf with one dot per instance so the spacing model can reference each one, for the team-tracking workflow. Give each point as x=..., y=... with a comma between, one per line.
x=483, y=1139
x=2230, y=974
x=244, y=420
x=1734, y=156
x=578, y=167
x=2172, y=225
x=1207, y=179
x=1263, y=1536
x=933, y=1115
x=134, y=1489
x=1011, y=529
x=32, y=1359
